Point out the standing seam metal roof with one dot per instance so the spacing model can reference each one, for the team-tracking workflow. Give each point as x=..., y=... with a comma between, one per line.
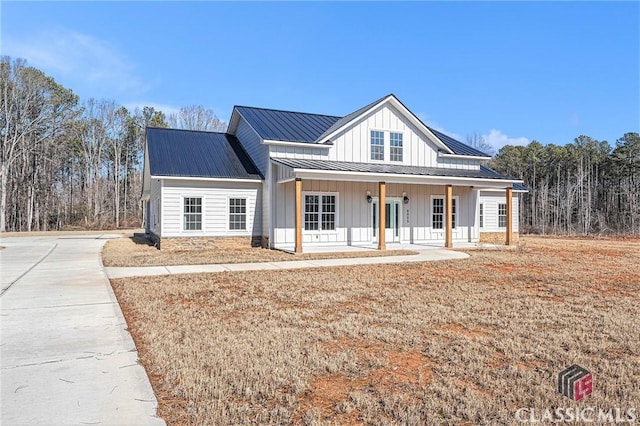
x=289, y=126
x=188, y=153
x=343, y=166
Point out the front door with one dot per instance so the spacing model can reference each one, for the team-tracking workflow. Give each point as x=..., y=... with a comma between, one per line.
x=392, y=216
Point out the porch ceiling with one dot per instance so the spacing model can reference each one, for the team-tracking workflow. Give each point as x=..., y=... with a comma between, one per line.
x=371, y=172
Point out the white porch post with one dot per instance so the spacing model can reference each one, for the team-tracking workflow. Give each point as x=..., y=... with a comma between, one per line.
x=382, y=192
x=298, y=247
x=448, y=241
x=509, y=236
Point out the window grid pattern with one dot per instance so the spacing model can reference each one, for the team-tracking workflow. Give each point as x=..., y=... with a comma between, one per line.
x=328, y=212
x=502, y=215
x=481, y=215
x=192, y=214
x=453, y=213
x=395, y=144
x=237, y=214
x=377, y=145
x=437, y=217
x=311, y=212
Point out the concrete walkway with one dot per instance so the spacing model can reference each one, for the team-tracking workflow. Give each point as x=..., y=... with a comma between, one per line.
x=422, y=256
x=67, y=357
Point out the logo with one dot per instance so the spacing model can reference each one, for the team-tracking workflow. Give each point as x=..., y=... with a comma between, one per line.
x=575, y=382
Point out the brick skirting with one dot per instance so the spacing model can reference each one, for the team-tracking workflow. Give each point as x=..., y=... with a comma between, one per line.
x=497, y=237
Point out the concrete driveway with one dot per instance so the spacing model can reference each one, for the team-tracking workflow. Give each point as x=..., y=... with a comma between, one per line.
x=66, y=355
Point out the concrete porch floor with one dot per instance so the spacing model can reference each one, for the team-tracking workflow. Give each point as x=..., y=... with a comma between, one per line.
x=435, y=245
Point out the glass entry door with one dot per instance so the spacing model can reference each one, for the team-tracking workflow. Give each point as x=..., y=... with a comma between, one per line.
x=392, y=216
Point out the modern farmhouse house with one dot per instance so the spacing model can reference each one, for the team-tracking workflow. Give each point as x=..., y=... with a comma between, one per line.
x=292, y=181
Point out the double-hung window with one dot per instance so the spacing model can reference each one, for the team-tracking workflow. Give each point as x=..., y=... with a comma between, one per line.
x=377, y=145
x=502, y=215
x=320, y=212
x=192, y=209
x=237, y=214
x=395, y=146
x=437, y=213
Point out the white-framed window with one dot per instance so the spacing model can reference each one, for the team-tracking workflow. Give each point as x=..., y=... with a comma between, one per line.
x=502, y=215
x=192, y=213
x=377, y=145
x=237, y=214
x=481, y=215
x=320, y=211
x=395, y=146
x=437, y=212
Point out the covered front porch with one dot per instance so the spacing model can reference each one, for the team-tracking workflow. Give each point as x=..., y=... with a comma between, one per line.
x=336, y=210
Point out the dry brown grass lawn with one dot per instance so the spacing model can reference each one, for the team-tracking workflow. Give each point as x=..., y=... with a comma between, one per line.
x=137, y=251
x=457, y=342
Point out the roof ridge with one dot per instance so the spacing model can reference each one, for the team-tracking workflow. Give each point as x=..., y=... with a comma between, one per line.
x=284, y=110
x=186, y=130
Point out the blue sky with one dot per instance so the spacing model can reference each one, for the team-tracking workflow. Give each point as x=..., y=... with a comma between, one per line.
x=511, y=71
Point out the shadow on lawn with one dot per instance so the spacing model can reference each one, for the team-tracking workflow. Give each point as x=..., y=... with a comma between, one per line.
x=142, y=239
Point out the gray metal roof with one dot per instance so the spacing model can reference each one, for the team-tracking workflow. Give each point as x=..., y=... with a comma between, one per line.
x=188, y=153
x=458, y=147
x=343, y=166
x=286, y=126
x=347, y=118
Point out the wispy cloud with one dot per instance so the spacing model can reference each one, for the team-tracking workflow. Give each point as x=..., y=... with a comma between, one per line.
x=167, y=109
x=79, y=60
x=434, y=125
x=497, y=139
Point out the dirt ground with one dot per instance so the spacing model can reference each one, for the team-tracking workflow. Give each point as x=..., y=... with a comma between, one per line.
x=456, y=342
x=138, y=251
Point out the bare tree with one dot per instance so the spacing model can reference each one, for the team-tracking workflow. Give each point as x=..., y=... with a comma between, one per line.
x=196, y=117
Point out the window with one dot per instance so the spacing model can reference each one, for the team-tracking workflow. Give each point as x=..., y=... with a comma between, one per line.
x=453, y=213
x=395, y=143
x=192, y=213
x=328, y=212
x=502, y=215
x=237, y=214
x=377, y=145
x=481, y=215
x=437, y=213
x=319, y=212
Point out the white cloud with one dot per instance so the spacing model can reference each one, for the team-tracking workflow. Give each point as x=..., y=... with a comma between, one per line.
x=80, y=60
x=434, y=125
x=497, y=139
x=167, y=109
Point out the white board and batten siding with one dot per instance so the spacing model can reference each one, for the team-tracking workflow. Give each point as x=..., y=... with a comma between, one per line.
x=490, y=201
x=215, y=207
x=354, y=143
x=354, y=219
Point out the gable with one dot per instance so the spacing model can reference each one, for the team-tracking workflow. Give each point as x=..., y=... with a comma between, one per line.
x=353, y=141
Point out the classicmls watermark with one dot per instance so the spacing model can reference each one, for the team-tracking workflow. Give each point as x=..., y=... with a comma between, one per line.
x=575, y=383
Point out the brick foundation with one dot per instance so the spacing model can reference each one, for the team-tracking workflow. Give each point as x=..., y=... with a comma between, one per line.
x=497, y=237
x=201, y=243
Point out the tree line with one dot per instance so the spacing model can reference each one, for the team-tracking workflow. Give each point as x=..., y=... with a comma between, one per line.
x=584, y=187
x=67, y=163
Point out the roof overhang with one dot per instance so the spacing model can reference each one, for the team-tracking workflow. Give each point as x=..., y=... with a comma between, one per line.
x=201, y=178
x=314, y=174
x=299, y=144
x=395, y=102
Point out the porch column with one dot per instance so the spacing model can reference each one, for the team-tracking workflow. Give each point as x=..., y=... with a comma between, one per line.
x=509, y=216
x=448, y=240
x=298, y=248
x=382, y=193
